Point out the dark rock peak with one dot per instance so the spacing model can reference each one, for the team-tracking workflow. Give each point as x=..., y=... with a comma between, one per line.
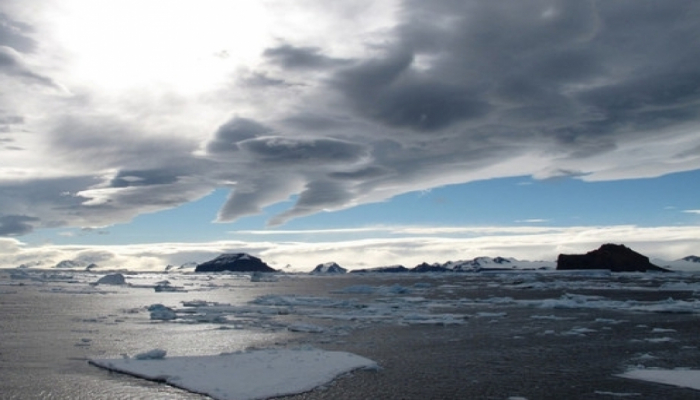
x=694, y=259
x=614, y=257
x=425, y=267
x=389, y=269
x=235, y=262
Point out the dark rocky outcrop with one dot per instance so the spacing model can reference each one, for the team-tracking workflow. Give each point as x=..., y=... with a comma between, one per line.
x=425, y=267
x=329, y=268
x=389, y=269
x=694, y=259
x=613, y=257
x=234, y=262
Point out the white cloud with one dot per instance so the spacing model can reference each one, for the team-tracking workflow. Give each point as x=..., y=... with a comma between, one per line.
x=434, y=245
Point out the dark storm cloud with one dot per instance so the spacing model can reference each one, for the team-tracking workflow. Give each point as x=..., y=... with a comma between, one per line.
x=291, y=57
x=130, y=178
x=365, y=173
x=316, y=196
x=228, y=135
x=447, y=92
x=260, y=80
x=277, y=149
x=113, y=142
x=16, y=225
x=15, y=34
x=316, y=122
x=12, y=64
x=458, y=86
x=43, y=203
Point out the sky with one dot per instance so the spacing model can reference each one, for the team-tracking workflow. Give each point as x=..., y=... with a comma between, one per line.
x=137, y=134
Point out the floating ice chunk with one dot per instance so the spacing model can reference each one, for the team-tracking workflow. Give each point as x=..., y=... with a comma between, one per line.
x=659, y=340
x=358, y=289
x=646, y=356
x=579, y=331
x=551, y=317
x=663, y=330
x=161, y=312
x=112, y=279
x=677, y=377
x=393, y=289
x=610, y=321
x=307, y=328
x=259, y=374
x=486, y=314
x=155, y=354
x=433, y=319
x=616, y=394
x=198, y=303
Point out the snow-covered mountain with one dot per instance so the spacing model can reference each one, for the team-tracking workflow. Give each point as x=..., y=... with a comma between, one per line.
x=235, y=262
x=329, y=268
x=71, y=264
x=496, y=263
x=188, y=266
x=689, y=263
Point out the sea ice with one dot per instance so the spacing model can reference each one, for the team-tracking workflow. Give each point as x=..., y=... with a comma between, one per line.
x=258, y=374
x=677, y=377
x=161, y=312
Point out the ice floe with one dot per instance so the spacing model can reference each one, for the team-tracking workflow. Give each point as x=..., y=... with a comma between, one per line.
x=677, y=377
x=249, y=375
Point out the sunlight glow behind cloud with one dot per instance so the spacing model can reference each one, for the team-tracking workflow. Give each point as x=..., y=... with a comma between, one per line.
x=112, y=110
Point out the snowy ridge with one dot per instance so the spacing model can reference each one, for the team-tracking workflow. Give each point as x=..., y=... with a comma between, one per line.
x=329, y=268
x=689, y=264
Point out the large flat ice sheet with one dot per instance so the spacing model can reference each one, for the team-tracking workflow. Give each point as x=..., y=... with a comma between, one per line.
x=677, y=377
x=258, y=374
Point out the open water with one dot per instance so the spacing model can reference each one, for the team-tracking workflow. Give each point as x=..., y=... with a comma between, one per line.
x=436, y=336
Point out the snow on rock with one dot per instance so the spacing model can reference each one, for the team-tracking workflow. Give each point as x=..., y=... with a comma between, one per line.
x=234, y=262
x=112, y=279
x=329, y=268
x=258, y=374
x=687, y=378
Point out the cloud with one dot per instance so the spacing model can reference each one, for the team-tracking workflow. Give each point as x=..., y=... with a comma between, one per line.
x=351, y=103
x=290, y=57
x=227, y=137
x=16, y=225
x=16, y=34
x=12, y=63
x=276, y=149
x=435, y=244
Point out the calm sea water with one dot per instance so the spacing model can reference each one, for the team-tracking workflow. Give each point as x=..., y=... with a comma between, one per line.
x=48, y=330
